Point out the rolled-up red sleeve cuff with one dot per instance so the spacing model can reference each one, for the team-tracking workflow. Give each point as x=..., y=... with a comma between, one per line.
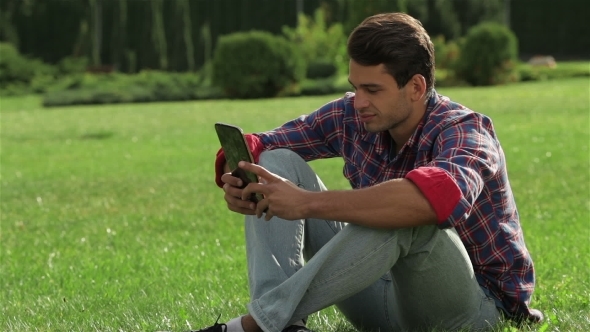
x=439, y=188
x=256, y=147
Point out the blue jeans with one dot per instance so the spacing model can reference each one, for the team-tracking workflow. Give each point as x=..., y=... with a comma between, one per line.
x=380, y=279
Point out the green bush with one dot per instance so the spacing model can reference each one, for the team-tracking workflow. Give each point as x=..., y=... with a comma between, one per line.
x=489, y=55
x=72, y=65
x=446, y=53
x=528, y=73
x=255, y=64
x=146, y=86
x=317, y=87
x=318, y=41
x=324, y=86
x=447, y=78
x=17, y=72
x=570, y=69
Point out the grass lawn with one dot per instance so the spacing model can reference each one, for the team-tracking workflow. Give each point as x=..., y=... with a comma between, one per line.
x=110, y=220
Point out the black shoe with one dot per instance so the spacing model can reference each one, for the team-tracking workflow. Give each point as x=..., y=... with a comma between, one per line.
x=296, y=328
x=215, y=328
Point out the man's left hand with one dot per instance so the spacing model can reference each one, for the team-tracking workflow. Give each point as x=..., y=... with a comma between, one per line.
x=282, y=198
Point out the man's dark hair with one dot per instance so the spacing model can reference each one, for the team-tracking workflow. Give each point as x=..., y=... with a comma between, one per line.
x=398, y=41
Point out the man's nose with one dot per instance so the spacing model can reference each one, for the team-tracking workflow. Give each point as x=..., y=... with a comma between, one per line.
x=360, y=102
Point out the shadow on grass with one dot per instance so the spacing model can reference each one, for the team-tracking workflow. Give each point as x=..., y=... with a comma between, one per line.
x=99, y=135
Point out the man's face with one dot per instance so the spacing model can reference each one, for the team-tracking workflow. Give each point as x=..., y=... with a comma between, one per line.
x=380, y=104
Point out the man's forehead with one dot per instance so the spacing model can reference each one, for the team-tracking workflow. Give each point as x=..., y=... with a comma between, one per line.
x=368, y=75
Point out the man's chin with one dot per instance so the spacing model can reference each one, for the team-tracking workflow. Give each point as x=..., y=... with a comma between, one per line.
x=372, y=128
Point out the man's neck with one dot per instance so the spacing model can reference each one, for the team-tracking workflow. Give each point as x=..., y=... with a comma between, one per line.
x=402, y=134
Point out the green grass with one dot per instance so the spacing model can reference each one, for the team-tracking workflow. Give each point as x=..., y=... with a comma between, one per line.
x=110, y=220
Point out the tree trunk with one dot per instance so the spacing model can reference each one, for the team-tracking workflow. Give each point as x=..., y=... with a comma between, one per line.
x=96, y=16
x=184, y=7
x=206, y=34
x=120, y=36
x=8, y=31
x=159, y=33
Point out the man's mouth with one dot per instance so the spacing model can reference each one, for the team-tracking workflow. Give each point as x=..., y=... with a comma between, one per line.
x=366, y=117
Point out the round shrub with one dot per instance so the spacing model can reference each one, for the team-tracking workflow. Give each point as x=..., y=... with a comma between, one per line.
x=489, y=55
x=255, y=64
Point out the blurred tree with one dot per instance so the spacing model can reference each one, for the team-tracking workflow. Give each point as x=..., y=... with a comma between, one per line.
x=472, y=12
x=45, y=29
x=207, y=41
x=96, y=19
x=81, y=46
x=552, y=28
x=119, y=35
x=359, y=10
x=183, y=7
x=138, y=34
x=8, y=31
x=159, y=34
x=418, y=9
x=442, y=19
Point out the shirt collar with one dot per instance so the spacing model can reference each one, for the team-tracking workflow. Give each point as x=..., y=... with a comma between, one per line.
x=378, y=139
x=419, y=136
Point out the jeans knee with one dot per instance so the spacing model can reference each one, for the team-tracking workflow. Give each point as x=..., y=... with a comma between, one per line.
x=281, y=161
x=274, y=156
x=289, y=165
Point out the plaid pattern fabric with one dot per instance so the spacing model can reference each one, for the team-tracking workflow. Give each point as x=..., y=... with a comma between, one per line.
x=452, y=138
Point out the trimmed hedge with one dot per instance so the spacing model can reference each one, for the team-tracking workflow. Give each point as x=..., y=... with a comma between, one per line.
x=147, y=86
x=528, y=72
x=324, y=86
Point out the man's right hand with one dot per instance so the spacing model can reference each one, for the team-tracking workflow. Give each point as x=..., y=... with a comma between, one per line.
x=233, y=194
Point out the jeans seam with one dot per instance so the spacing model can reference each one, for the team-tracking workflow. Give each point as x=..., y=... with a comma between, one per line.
x=386, y=309
x=299, y=250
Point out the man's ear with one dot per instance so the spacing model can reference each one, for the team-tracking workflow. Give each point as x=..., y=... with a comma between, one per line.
x=417, y=85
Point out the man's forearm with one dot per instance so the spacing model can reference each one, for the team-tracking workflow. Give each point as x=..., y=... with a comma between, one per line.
x=392, y=204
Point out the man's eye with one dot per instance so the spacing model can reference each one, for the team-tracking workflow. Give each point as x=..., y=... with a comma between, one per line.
x=372, y=91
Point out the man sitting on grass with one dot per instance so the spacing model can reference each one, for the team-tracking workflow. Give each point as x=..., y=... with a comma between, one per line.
x=429, y=237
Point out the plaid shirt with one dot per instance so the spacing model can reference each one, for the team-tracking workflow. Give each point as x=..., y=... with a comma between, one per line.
x=452, y=138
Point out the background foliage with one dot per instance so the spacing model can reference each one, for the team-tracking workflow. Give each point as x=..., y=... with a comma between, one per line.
x=153, y=40
x=180, y=35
